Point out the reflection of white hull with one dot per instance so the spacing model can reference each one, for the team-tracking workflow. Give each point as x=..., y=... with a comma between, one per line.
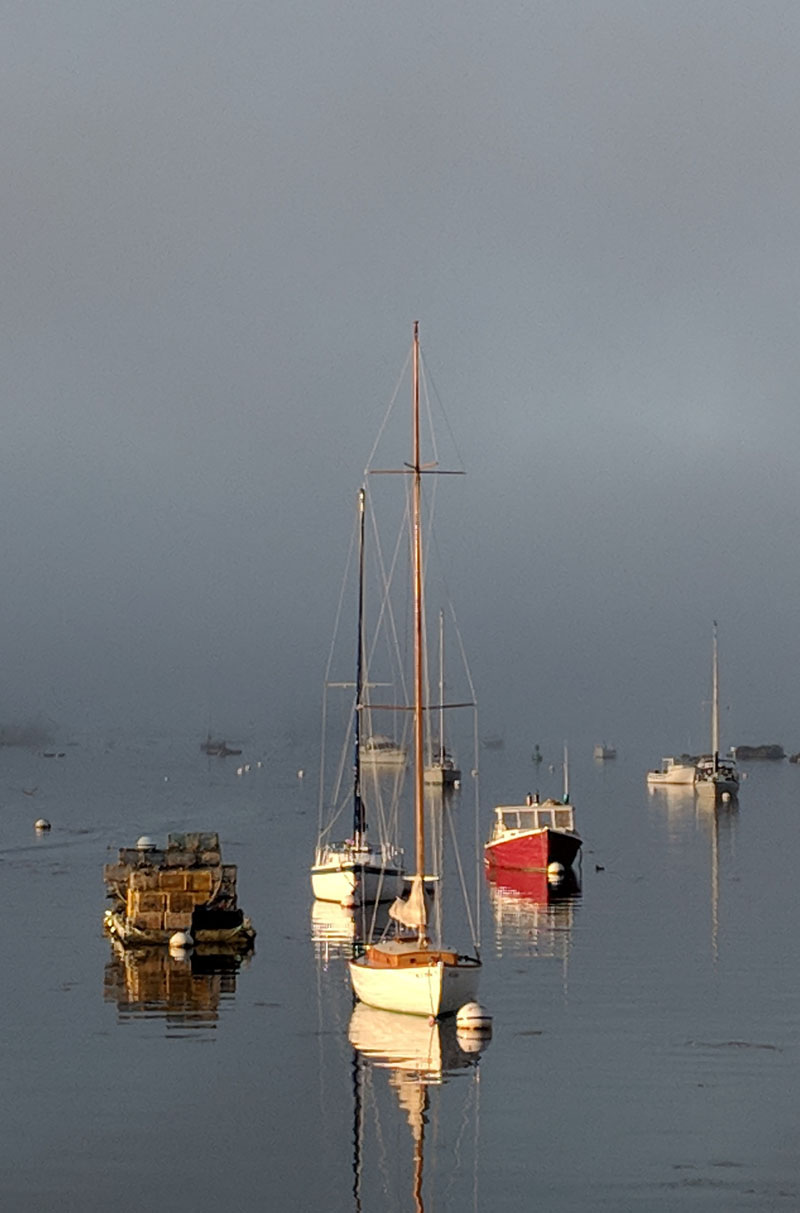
x=332, y=923
x=425, y=1052
x=336, y=876
x=432, y=989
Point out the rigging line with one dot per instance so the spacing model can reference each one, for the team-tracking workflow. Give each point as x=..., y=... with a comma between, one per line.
x=427, y=377
x=457, y=1150
x=462, y=882
x=477, y=821
x=386, y=610
x=336, y=792
x=388, y=413
x=328, y=664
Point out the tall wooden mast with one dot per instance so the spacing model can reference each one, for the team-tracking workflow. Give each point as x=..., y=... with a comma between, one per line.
x=419, y=758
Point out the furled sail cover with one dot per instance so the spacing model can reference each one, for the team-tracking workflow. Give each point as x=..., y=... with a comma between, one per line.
x=411, y=911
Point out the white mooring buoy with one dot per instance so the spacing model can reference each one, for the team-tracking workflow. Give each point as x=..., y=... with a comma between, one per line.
x=472, y=1017
x=555, y=872
x=180, y=941
x=145, y=843
x=42, y=825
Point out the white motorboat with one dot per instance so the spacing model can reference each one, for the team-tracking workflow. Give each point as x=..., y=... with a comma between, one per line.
x=380, y=751
x=673, y=772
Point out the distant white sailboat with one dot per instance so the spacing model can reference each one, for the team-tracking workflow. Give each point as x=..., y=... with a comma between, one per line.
x=716, y=778
x=441, y=770
x=355, y=869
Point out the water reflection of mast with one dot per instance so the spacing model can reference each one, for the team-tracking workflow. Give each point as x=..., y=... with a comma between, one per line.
x=715, y=887
x=358, y=1130
x=418, y=1054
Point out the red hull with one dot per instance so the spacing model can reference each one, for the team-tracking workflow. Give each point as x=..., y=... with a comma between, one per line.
x=533, y=851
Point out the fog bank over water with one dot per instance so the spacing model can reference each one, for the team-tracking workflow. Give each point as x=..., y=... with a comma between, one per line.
x=220, y=224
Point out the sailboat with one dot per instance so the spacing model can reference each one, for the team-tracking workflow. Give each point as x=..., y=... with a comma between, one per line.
x=441, y=770
x=408, y=971
x=715, y=777
x=356, y=870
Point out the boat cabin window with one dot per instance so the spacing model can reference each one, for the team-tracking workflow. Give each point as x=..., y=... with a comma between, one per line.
x=537, y=818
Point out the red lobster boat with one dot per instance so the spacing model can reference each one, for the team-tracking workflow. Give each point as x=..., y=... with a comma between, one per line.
x=531, y=837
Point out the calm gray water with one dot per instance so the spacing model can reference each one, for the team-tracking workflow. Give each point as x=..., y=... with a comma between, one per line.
x=645, y=1046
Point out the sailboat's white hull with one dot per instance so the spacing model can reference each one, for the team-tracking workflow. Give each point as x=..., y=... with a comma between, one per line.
x=335, y=878
x=716, y=789
x=426, y=989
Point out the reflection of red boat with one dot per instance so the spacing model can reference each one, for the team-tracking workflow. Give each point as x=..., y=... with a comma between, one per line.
x=534, y=886
x=533, y=836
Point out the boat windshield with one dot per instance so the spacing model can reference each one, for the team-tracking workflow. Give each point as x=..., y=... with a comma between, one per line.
x=536, y=817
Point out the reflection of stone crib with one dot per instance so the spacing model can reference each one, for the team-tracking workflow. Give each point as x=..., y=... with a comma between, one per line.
x=183, y=888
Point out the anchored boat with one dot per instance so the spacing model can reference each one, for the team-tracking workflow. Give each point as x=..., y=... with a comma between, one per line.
x=716, y=778
x=532, y=836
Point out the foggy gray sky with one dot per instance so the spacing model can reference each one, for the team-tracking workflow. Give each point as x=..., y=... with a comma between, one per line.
x=221, y=219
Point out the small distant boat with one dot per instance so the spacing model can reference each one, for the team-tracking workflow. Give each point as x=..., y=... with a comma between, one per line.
x=492, y=742
x=603, y=751
x=716, y=778
x=674, y=772
x=380, y=751
x=441, y=770
x=534, y=835
x=216, y=748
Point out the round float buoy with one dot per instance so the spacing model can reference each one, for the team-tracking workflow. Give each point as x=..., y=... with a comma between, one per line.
x=180, y=941
x=726, y=797
x=472, y=1017
x=456, y=783
x=301, y=773
x=42, y=825
x=555, y=872
x=145, y=843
